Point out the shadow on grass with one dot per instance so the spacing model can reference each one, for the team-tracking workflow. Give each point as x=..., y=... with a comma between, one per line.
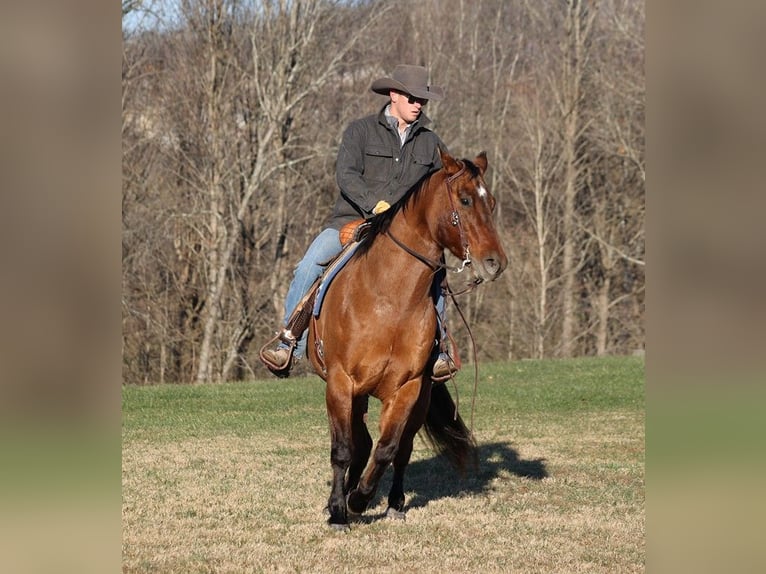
x=433, y=478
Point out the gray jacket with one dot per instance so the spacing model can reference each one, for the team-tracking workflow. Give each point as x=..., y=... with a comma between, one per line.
x=372, y=166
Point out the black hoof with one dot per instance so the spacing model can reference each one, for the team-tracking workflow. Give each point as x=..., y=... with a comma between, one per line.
x=355, y=504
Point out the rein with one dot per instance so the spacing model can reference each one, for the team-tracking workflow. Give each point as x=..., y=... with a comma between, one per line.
x=432, y=263
x=455, y=219
x=448, y=291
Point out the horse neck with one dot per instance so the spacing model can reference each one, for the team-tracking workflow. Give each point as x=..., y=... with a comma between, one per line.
x=416, y=224
x=391, y=268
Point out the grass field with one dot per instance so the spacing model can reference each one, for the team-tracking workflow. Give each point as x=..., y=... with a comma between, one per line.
x=234, y=478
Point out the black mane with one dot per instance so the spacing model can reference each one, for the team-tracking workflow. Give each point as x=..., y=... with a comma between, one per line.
x=380, y=223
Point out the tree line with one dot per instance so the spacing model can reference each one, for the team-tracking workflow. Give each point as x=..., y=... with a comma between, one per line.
x=232, y=111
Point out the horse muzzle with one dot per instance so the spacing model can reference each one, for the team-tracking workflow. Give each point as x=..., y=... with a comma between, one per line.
x=490, y=267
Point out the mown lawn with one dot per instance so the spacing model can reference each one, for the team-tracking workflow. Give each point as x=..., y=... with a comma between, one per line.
x=234, y=478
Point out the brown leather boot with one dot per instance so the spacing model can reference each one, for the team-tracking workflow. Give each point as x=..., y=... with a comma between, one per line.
x=444, y=367
x=279, y=356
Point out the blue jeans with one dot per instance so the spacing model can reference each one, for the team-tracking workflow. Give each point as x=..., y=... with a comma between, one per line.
x=436, y=293
x=325, y=246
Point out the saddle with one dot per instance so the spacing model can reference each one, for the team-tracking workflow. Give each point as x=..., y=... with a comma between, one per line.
x=311, y=303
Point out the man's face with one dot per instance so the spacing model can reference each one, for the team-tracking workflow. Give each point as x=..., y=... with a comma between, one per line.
x=406, y=107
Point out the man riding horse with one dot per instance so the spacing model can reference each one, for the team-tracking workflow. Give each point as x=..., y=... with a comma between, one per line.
x=380, y=158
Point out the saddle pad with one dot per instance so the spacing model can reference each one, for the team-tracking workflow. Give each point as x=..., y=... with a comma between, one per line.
x=330, y=273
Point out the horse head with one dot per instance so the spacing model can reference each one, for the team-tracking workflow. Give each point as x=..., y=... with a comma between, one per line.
x=464, y=224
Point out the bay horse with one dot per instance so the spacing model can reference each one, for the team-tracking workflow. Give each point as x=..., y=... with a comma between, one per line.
x=375, y=334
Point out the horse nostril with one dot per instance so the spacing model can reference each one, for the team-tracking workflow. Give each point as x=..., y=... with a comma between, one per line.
x=492, y=266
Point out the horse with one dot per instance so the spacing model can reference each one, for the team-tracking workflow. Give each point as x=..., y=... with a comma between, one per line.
x=375, y=334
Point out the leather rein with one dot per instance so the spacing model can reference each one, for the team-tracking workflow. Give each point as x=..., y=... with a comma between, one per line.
x=455, y=220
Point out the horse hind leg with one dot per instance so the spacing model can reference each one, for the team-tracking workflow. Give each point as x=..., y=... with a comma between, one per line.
x=396, y=498
x=396, y=494
x=362, y=443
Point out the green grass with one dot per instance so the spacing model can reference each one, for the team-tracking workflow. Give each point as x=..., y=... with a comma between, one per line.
x=234, y=478
x=171, y=412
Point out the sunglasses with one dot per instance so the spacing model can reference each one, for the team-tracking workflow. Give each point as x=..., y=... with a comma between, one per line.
x=412, y=99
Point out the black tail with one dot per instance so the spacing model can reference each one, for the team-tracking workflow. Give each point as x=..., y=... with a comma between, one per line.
x=447, y=432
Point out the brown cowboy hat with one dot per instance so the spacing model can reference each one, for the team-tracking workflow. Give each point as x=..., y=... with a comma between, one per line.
x=411, y=80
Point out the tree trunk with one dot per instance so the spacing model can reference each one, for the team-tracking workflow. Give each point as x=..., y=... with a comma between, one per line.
x=217, y=260
x=602, y=331
x=578, y=26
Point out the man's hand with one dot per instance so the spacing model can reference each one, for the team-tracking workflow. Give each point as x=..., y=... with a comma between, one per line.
x=380, y=207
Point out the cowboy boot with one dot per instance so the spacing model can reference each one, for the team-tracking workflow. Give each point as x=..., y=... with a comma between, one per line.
x=444, y=367
x=280, y=357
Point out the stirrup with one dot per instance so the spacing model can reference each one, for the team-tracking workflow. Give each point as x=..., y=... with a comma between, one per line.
x=452, y=368
x=285, y=336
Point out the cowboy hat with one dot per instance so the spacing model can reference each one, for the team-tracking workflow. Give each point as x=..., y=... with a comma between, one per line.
x=412, y=80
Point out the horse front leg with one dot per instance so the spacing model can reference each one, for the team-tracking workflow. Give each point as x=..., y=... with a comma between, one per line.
x=393, y=423
x=338, y=399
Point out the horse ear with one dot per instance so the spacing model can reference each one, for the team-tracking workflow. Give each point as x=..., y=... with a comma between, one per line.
x=481, y=162
x=449, y=163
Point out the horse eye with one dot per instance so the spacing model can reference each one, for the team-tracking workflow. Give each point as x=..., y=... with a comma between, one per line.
x=465, y=201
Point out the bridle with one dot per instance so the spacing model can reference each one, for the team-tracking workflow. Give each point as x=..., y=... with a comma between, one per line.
x=455, y=220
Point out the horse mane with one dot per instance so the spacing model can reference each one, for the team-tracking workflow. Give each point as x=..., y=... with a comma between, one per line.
x=380, y=223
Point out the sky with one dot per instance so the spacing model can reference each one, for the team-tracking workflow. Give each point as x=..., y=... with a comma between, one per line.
x=152, y=13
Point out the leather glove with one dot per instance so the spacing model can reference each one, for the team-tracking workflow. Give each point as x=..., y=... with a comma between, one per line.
x=380, y=207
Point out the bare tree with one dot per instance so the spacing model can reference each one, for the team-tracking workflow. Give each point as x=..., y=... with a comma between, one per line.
x=578, y=24
x=535, y=180
x=615, y=173
x=225, y=116
x=287, y=64
x=232, y=111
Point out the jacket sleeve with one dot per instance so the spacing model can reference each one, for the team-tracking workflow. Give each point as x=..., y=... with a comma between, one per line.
x=350, y=167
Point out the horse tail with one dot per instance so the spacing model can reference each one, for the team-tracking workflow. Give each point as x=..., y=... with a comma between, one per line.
x=446, y=432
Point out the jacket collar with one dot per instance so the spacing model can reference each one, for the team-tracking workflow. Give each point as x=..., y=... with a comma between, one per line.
x=422, y=121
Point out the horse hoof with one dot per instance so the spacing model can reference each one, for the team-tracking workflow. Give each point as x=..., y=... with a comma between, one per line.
x=395, y=514
x=339, y=527
x=355, y=504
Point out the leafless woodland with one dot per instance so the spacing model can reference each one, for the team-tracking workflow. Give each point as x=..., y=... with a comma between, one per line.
x=231, y=116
